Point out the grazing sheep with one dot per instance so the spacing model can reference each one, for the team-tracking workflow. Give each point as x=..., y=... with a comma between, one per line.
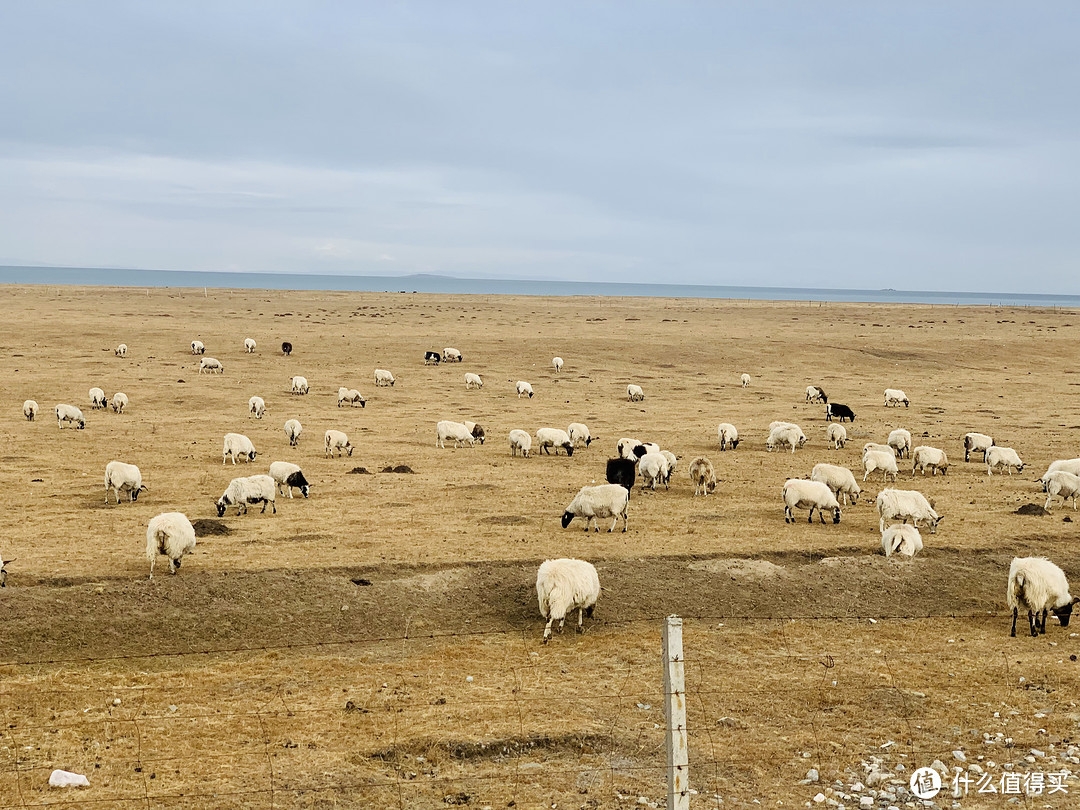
x=210, y=365
x=286, y=348
x=520, y=441
x=3, y=572
x=802, y=494
x=524, y=388
x=634, y=393
x=171, y=534
x=976, y=443
x=293, y=429
x=840, y=480
x=252, y=489
x=673, y=465
x=237, y=445
x=69, y=413
x=121, y=477
x=646, y=447
x=30, y=410
x=476, y=430
x=840, y=412
x=785, y=436
x=703, y=476
x=1071, y=465
x=653, y=467
x=557, y=364
x=873, y=460
x=1062, y=484
x=432, y=358
x=547, y=438
x=121, y=350
x=900, y=441
x=878, y=448
x=900, y=538
x=452, y=430
x=894, y=396
x=622, y=471
x=745, y=379
x=119, y=402
x=451, y=355
x=625, y=449
x=289, y=475
x=197, y=347
x=579, y=432
x=97, y=398
x=1037, y=584
x=257, y=407
x=473, y=381
x=595, y=503
x=350, y=396
x=249, y=345
x=728, y=436
x=563, y=586
x=905, y=505
x=336, y=440
x=815, y=393
x=383, y=377
x=923, y=457
x=836, y=435
x=1006, y=457
x=299, y=385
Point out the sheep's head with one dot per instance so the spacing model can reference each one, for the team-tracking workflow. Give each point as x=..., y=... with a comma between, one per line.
x=639, y=450
x=220, y=504
x=710, y=486
x=349, y=449
x=836, y=515
x=135, y=493
x=251, y=455
x=1063, y=613
x=569, y=448
x=588, y=441
x=3, y=575
x=566, y=518
x=82, y=424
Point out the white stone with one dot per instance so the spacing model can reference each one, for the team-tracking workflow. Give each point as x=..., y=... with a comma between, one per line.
x=819, y=798
x=959, y=756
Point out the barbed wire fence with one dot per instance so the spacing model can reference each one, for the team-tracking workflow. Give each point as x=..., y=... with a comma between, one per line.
x=610, y=737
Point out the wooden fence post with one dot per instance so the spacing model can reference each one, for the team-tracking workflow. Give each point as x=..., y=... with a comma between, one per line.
x=678, y=769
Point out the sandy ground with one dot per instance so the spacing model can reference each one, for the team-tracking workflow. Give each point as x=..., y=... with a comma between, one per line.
x=320, y=657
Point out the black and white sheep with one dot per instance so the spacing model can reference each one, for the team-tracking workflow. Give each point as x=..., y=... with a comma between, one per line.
x=456, y=431
x=286, y=348
x=211, y=365
x=293, y=429
x=290, y=476
x=894, y=396
x=476, y=430
x=598, y=502
x=432, y=358
x=451, y=355
x=563, y=586
x=523, y=389
x=350, y=396
x=549, y=438
x=1039, y=586
x=249, y=345
x=520, y=442
x=834, y=410
x=250, y=489
x=121, y=477
x=237, y=445
x=815, y=393
x=336, y=441
x=728, y=435
x=71, y=415
x=97, y=399
x=257, y=407
x=634, y=393
x=30, y=410
x=171, y=534
x=198, y=347
x=121, y=350
x=977, y=443
x=579, y=432
x=119, y=402
x=998, y=456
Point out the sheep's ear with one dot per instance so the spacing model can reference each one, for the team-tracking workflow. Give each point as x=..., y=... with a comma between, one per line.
x=1076, y=599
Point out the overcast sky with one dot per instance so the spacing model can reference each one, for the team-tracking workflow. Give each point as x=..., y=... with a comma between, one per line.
x=846, y=144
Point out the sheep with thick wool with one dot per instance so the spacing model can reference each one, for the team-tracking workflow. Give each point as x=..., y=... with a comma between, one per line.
x=121, y=477
x=924, y=457
x=299, y=385
x=293, y=429
x=30, y=410
x=384, y=378
x=1038, y=586
x=977, y=443
x=290, y=476
x=799, y=493
x=198, y=347
x=548, y=439
x=119, y=402
x=237, y=445
x=599, y=502
x=455, y=431
x=350, y=396
x=894, y=396
x=902, y=539
x=563, y=586
x=524, y=389
x=97, y=398
x=473, y=381
x=257, y=407
x=1006, y=457
x=836, y=435
x=703, y=476
x=171, y=534
x=250, y=489
x=903, y=505
x=1061, y=484
x=634, y=393
x=249, y=345
x=211, y=365
x=874, y=460
x=900, y=441
x=728, y=435
x=557, y=364
x=69, y=414
x=839, y=480
x=336, y=441
x=653, y=467
x=520, y=442
x=579, y=433
x=785, y=436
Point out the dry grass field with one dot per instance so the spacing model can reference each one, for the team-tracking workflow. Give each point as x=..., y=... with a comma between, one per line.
x=378, y=645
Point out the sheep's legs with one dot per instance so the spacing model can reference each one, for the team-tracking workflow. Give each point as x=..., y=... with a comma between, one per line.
x=547, y=630
x=580, y=629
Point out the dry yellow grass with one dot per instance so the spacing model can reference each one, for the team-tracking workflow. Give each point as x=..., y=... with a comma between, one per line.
x=264, y=675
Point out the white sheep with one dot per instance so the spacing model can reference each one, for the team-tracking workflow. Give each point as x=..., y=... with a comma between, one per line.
x=673, y=464
x=30, y=410
x=785, y=436
x=524, y=388
x=900, y=441
x=252, y=489
x=293, y=429
x=473, y=381
x=745, y=379
x=1006, y=457
x=521, y=441
x=211, y=365
x=97, y=399
x=71, y=414
x=878, y=448
x=336, y=440
x=1071, y=465
x=121, y=477
x=900, y=538
x=634, y=393
x=977, y=443
x=299, y=385
x=119, y=402
x=549, y=438
x=703, y=476
x=563, y=586
x=836, y=435
x=451, y=355
x=457, y=431
x=383, y=377
x=894, y=396
x=1061, y=484
x=249, y=345
x=237, y=445
x=350, y=396
x=653, y=467
x=1038, y=585
x=198, y=347
x=121, y=350
x=289, y=475
x=557, y=364
x=171, y=534
x=840, y=480
x=874, y=460
x=932, y=457
x=905, y=505
x=579, y=432
x=728, y=435
x=802, y=494
x=598, y=502
x=257, y=407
